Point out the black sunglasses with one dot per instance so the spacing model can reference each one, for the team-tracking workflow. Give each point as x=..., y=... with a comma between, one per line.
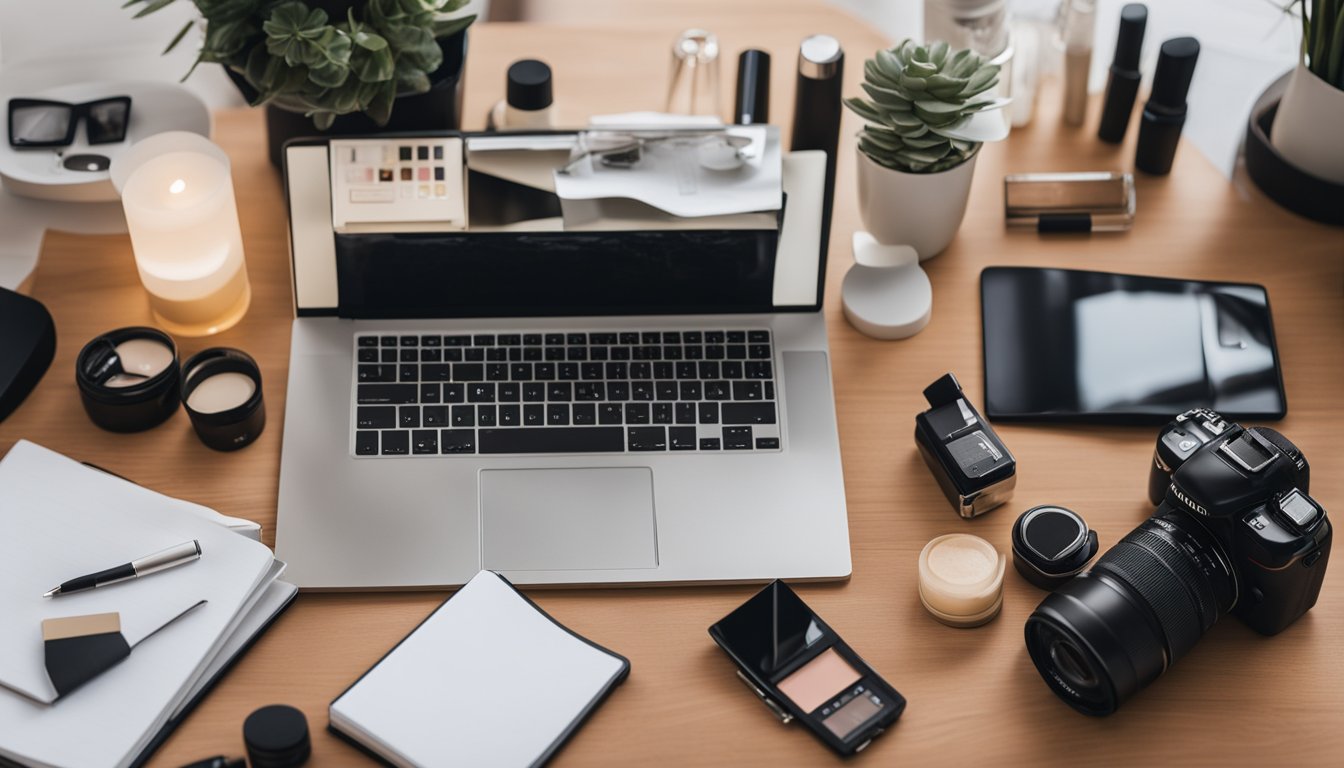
x=43, y=123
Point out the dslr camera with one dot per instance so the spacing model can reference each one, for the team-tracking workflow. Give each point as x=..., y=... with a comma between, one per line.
x=1234, y=531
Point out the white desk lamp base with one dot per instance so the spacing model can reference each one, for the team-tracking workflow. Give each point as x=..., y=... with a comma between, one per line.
x=886, y=294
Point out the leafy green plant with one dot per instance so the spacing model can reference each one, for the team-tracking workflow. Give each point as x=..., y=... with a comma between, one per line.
x=921, y=99
x=1323, y=38
x=299, y=58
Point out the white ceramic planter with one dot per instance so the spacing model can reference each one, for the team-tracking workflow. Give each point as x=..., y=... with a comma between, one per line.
x=1307, y=126
x=921, y=210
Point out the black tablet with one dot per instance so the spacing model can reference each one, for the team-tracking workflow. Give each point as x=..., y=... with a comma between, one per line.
x=1070, y=345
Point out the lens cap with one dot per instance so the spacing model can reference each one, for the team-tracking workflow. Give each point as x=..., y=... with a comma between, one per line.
x=1051, y=545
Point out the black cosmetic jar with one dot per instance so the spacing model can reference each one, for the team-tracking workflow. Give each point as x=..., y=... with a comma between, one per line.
x=221, y=391
x=129, y=379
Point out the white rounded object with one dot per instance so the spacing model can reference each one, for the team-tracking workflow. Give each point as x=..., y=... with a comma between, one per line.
x=1300, y=132
x=961, y=579
x=922, y=210
x=886, y=294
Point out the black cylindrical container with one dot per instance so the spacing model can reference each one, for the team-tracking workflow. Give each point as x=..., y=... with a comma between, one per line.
x=816, y=109
x=752, y=104
x=124, y=397
x=226, y=417
x=277, y=737
x=1123, y=84
x=1164, y=114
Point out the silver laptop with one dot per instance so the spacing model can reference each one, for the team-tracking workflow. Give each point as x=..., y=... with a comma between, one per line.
x=518, y=410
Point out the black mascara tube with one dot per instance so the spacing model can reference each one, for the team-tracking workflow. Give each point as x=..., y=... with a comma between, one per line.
x=1123, y=84
x=752, y=104
x=1164, y=114
x=816, y=105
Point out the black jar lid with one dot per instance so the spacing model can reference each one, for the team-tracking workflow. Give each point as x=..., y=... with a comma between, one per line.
x=529, y=85
x=1051, y=545
x=277, y=737
x=134, y=407
x=230, y=428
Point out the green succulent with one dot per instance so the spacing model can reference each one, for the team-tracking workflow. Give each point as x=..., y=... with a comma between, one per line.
x=919, y=98
x=1323, y=38
x=296, y=57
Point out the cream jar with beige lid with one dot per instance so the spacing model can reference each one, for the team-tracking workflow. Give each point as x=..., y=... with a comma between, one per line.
x=961, y=579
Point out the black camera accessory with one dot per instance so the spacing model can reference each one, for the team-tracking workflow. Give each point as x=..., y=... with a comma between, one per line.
x=45, y=123
x=221, y=391
x=969, y=461
x=1177, y=442
x=802, y=670
x=129, y=379
x=277, y=737
x=752, y=103
x=1164, y=114
x=26, y=347
x=1123, y=84
x=1052, y=545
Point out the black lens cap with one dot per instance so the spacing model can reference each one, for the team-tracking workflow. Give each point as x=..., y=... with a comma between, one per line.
x=1051, y=545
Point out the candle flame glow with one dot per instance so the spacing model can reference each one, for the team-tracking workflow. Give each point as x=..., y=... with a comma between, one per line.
x=177, y=186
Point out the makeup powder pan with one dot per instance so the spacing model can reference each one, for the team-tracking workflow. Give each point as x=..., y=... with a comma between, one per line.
x=818, y=680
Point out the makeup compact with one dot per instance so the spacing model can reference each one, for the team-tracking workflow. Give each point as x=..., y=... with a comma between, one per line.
x=128, y=379
x=1052, y=545
x=961, y=579
x=802, y=670
x=1091, y=201
x=221, y=389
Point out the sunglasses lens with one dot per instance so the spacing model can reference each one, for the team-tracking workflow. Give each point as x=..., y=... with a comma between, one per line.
x=107, y=121
x=39, y=124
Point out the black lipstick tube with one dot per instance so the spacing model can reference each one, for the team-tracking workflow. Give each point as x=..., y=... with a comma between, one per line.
x=1123, y=84
x=1164, y=114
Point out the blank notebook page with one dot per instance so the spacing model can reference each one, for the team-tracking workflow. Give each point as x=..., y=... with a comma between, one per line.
x=486, y=680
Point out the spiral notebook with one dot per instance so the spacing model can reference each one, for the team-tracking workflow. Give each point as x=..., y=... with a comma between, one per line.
x=487, y=680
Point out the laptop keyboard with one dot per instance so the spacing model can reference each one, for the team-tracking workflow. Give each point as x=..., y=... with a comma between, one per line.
x=573, y=392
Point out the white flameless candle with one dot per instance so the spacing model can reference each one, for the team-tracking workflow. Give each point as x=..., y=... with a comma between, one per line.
x=180, y=211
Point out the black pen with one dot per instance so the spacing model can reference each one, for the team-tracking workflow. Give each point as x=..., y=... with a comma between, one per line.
x=168, y=558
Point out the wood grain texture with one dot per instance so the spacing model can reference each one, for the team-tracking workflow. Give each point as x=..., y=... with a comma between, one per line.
x=974, y=696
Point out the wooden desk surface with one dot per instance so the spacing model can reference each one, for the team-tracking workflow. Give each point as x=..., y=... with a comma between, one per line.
x=974, y=695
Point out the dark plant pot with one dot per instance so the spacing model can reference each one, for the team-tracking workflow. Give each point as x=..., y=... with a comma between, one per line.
x=438, y=109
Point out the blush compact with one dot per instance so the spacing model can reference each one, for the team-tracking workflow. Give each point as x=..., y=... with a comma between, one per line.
x=221, y=390
x=802, y=670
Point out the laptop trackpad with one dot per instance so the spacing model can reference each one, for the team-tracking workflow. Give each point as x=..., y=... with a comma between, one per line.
x=568, y=519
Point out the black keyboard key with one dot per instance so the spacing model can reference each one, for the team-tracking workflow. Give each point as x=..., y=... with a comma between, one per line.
x=709, y=413
x=576, y=353
x=584, y=413
x=532, y=339
x=410, y=356
x=598, y=353
x=692, y=337
x=610, y=413
x=690, y=390
x=685, y=413
x=695, y=352
x=715, y=352
x=435, y=372
x=372, y=373
x=662, y=413
x=367, y=341
x=709, y=444
x=429, y=393
x=758, y=352
x=474, y=354
x=650, y=337
x=509, y=339
x=544, y=371
x=601, y=338
x=567, y=371
x=737, y=351
x=485, y=415
x=714, y=337
x=497, y=371
x=681, y=438
x=747, y=390
x=629, y=338
x=590, y=371
x=431, y=341
x=510, y=391
x=618, y=371
x=368, y=355
x=534, y=415
x=534, y=392
x=732, y=369
x=409, y=372
x=387, y=341
x=454, y=393
x=387, y=355
x=457, y=440
x=375, y=417
x=510, y=415
x=435, y=416
x=767, y=443
x=520, y=371
x=483, y=340
x=589, y=391
x=758, y=337
x=737, y=337
x=431, y=355
x=468, y=372
x=515, y=354
x=495, y=355
x=425, y=441
x=553, y=440
x=385, y=393
x=618, y=390
x=555, y=339
x=737, y=438
x=663, y=370
x=560, y=391
x=530, y=354
x=671, y=337
x=555, y=354
x=580, y=339
x=642, y=371
x=464, y=416
x=647, y=438
x=409, y=341
x=452, y=354
x=642, y=390
x=620, y=353
x=748, y=413
x=769, y=390
x=685, y=370
x=717, y=390
x=636, y=413
x=366, y=442
x=456, y=341
x=396, y=442
x=557, y=415
x=708, y=370
x=666, y=390
x=409, y=416
x=480, y=393
x=757, y=369
x=671, y=353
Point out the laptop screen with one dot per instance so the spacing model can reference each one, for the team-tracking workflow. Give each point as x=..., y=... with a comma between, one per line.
x=545, y=271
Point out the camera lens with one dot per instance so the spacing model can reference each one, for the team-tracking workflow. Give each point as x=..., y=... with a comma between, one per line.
x=1104, y=635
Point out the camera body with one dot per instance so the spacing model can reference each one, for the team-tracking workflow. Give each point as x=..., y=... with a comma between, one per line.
x=1249, y=489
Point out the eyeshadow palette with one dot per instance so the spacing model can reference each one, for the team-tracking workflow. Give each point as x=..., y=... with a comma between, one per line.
x=804, y=671
x=405, y=185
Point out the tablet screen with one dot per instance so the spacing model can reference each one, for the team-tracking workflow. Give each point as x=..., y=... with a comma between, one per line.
x=1065, y=345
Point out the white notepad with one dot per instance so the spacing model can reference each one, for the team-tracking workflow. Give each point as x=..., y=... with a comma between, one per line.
x=487, y=680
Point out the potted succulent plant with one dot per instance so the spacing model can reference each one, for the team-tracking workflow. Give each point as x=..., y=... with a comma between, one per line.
x=337, y=66
x=928, y=111
x=1311, y=115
